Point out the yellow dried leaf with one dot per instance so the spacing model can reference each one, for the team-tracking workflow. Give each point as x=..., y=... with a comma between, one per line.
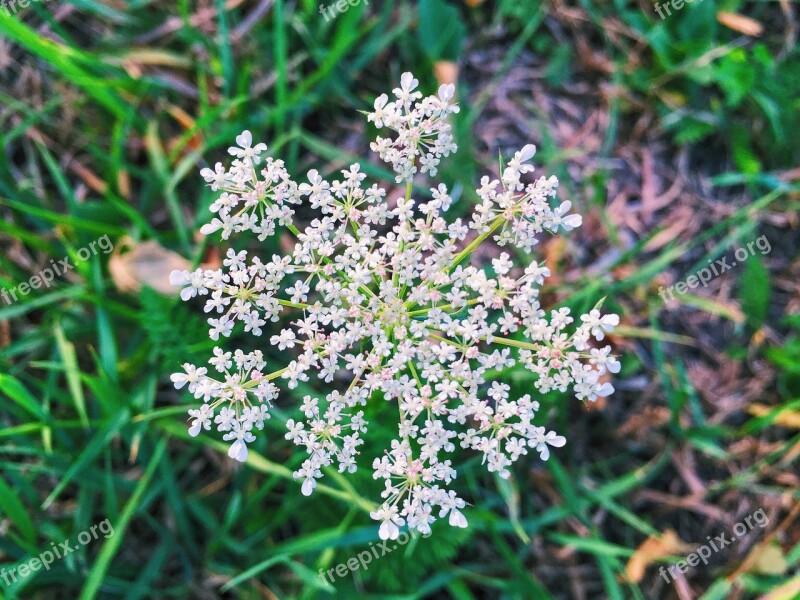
x=786, y=418
x=653, y=548
x=767, y=559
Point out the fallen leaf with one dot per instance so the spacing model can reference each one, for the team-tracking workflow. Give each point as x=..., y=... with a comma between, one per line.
x=445, y=71
x=653, y=548
x=786, y=418
x=133, y=265
x=766, y=558
x=638, y=424
x=554, y=251
x=740, y=23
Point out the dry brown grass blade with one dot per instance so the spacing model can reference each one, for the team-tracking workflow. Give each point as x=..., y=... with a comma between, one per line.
x=740, y=23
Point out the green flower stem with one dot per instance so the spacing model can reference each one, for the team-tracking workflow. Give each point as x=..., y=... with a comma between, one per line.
x=516, y=343
x=423, y=311
x=409, y=188
x=476, y=242
x=293, y=304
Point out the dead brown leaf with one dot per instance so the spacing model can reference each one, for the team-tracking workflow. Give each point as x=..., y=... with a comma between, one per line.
x=553, y=253
x=445, y=72
x=133, y=265
x=652, y=417
x=653, y=548
x=740, y=23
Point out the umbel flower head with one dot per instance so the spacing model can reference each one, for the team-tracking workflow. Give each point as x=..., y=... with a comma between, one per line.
x=387, y=306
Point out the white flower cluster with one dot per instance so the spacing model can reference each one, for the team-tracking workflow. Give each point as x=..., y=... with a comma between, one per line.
x=423, y=131
x=247, y=202
x=389, y=309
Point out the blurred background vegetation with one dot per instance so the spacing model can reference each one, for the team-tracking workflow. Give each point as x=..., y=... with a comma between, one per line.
x=677, y=138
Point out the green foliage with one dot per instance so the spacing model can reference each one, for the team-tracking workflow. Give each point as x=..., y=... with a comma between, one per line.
x=90, y=427
x=441, y=32
x=173, y=330
x=754, y=291
x=706, y=80
x=787, y=358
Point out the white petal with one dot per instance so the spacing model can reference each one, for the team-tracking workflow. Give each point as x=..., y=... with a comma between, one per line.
x=179, y=277
x=179, y=379
x=388, y=531
x=544, y=451
x=610, y=320
x=571, y=222
x=457, y=519
x=235, y=451
x=527, y=152
x=245, y=139
x=605, y=390
x=446, y=91
x=210, y=228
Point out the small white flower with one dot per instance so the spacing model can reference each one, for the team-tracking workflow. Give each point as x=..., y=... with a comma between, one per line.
x=192, y=375
x=286, y=339
x=405, y=93
x=246, y=151
x=378, y=115
x=390, y=522
x=600, y=325
x=202, y=419
x=541, y=440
